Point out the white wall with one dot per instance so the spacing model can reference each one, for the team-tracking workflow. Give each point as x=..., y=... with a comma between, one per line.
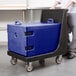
x=3, y=36
x=13, y=2
x=40, y=3
x=7, y=17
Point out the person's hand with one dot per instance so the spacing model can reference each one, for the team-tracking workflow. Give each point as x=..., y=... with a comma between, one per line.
x=73, y=1
x=54, y=6
x=70, y=3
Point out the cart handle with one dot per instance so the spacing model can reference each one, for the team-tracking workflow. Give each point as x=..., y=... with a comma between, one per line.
x=18, y=23
x=50, y=20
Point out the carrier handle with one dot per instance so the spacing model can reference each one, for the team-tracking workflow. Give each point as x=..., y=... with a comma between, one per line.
x=50, y=20
x=18, y=23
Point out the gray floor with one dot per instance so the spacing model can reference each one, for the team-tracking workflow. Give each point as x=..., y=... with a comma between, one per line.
x=66, y=68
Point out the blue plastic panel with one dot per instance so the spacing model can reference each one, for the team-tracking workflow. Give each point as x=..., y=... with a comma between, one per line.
x=44, y=39
x=33, y=39
x=16, y=39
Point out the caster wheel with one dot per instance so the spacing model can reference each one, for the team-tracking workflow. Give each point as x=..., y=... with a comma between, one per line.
x=13, y=61
x=42, y=62
x=58, y=59
x=29, y=67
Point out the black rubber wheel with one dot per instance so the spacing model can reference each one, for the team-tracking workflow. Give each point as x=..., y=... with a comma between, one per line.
x=29, y=67
x=13, y=61
x=58, y=59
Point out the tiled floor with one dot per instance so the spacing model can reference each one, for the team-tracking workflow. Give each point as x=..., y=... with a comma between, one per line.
x=66, y=68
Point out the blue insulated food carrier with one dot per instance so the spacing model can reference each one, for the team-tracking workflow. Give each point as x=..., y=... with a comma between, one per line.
x=33, y=39
x=38, y=41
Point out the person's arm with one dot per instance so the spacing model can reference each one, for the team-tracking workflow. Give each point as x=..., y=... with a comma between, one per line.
x=56, y=3
x=70, y=3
